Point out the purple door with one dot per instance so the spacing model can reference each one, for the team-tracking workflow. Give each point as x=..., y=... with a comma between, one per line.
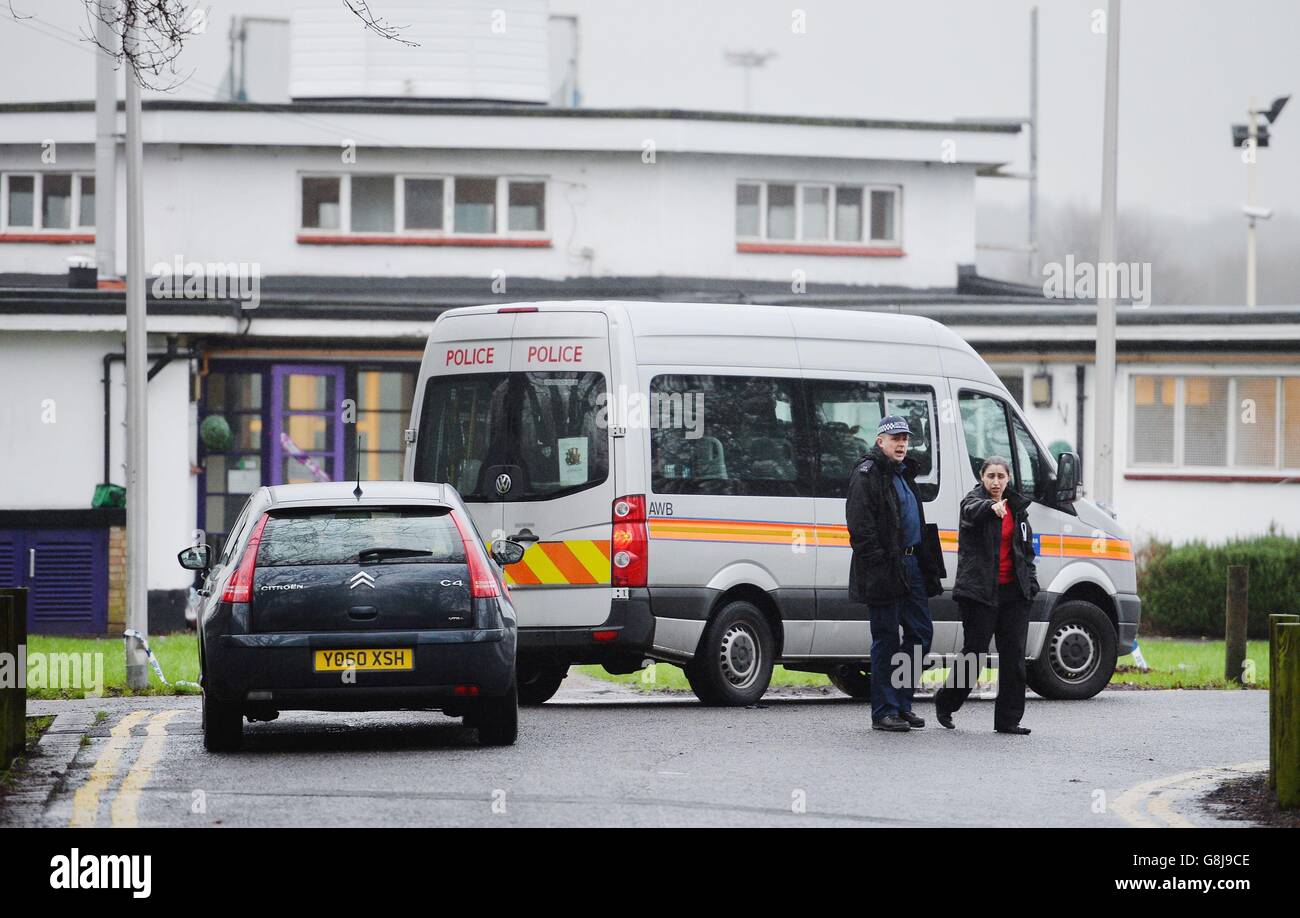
x=306, y=424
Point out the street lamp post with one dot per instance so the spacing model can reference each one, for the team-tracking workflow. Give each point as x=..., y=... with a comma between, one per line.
x=1253, y=136
x=1103, y=411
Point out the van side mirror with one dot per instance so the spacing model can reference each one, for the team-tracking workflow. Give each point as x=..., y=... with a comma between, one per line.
x=1067, y=478
x=195, y=558
x=506, y=552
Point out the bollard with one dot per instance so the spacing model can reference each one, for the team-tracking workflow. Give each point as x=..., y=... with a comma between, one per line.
x=1288, y=711
x=13, y=699
x=1235, y=622
x=1273, y=622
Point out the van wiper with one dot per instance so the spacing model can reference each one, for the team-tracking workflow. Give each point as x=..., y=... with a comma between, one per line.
x=375, y=555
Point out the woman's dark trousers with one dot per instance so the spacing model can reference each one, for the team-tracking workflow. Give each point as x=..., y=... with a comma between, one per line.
x=1009, y=623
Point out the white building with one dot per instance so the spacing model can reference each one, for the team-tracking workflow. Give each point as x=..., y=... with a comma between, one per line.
x=362, y=218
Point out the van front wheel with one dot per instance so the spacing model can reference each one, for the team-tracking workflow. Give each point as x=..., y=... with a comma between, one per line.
x=733, y=664
x=1078, y=655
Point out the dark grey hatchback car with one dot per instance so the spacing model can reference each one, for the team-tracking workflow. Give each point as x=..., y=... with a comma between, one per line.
x=367, y=597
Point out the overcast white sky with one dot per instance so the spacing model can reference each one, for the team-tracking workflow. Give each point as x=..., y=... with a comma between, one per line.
x=1187, y=70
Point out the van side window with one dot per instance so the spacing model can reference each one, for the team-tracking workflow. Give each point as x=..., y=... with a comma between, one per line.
x=987, y=423
x=725, y=435
x=844, y=416
x=1028, y=460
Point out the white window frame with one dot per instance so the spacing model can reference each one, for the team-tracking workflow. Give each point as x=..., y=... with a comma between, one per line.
x=833, y=186
x=1231, y=403
x=38, y=210
x=501, y=227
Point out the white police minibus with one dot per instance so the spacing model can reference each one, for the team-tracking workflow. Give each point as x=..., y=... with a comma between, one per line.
x=677, y=473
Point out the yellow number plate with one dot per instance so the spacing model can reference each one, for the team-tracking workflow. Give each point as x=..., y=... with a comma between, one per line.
x=364, y=660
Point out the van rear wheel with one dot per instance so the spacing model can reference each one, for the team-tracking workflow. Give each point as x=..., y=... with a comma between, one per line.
x=1078, y=655
x=733, y=663
x=537, y=682
x=853, y=680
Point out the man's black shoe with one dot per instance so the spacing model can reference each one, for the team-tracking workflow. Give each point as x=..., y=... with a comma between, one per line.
x=945, y=720
x=892, y=723
x=916, y=723
x=1019, y=731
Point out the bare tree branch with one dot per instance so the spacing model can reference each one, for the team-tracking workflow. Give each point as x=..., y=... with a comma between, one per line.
x=377, y=24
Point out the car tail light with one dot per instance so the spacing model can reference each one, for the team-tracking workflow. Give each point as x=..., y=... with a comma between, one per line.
x=466, y=691
x=630, y=542
x=482, y=585
x=604, y=637
x=239, y=588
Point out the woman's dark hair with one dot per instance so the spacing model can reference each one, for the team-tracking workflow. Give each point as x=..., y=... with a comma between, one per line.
x=996, y=460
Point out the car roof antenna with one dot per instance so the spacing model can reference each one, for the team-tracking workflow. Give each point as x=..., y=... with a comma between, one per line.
x=357, y=458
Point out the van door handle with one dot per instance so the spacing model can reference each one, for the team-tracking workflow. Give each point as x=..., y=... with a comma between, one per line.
x=524, y=535
x=31, y=564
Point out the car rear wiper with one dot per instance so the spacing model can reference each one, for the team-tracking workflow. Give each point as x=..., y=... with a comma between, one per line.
x=374, y=555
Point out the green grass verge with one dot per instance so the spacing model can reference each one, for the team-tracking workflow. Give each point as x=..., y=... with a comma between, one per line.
x=1173, y=664
x=178, y=654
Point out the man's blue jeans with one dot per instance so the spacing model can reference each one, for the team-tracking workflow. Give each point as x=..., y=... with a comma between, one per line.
x=911, y=613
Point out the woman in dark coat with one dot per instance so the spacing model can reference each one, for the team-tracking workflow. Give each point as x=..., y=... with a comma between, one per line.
x=996, y=581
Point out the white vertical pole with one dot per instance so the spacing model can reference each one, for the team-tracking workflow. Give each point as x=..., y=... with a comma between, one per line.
x=105, y=144
x=137, y=395
x=1253, y=149
x=1034, y=277
x=1104, y=404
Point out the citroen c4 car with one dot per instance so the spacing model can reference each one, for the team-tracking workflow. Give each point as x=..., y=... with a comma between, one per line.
x=356, y=597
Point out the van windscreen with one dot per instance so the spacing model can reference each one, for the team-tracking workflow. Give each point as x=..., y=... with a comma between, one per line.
x=352, y=535
x=547, y=429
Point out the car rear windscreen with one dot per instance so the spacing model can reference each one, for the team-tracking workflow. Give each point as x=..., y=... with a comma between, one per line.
x=355, y=535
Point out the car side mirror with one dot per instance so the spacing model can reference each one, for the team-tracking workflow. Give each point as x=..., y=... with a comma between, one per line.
x=195, y=558
x=1067, y=478
x=506, y=552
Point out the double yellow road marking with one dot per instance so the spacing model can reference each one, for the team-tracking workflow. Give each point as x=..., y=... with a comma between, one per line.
x=1155, y=804
x=124, y=808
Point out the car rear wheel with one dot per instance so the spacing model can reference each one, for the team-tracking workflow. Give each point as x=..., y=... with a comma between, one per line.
x=853, y=680
x=1078, y=655
x=537, y=683
x=497, y=719
x=223, y=725
x=733, y=664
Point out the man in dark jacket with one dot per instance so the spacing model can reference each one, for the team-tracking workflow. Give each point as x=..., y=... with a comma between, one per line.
x=897, y=563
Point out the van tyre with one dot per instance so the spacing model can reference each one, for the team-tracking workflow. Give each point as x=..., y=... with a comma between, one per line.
x=538, y=683
x=497, y=719
x=223, y=725
x=853, y=680
x=1078, y=655
x=733, y=663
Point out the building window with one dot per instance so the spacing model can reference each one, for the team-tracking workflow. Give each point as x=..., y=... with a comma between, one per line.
x=1215, y=422
x=47, y=201
x=475, y=205
x=320, y=203
x=423, y=205
x=817, y=213
x=423, y=200
x=527, y=212
x=748, y=211
x=384, y=400
x=372, y=203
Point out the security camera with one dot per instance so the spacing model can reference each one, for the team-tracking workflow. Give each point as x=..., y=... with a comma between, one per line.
x=1257, y=213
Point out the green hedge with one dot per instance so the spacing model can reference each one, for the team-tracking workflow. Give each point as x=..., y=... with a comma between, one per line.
x=1184, y=589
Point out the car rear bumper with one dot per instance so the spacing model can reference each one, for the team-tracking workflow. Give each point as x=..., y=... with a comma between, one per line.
x=277, y=671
